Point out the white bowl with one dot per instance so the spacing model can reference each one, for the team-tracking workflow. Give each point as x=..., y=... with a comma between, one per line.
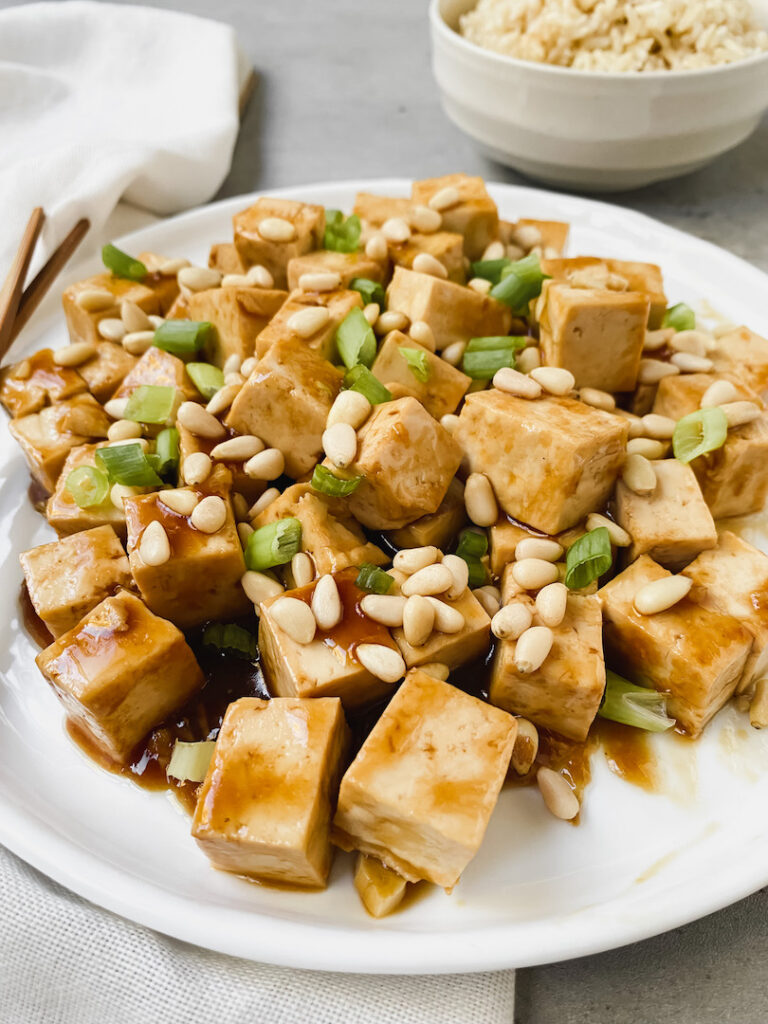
x=594, y=130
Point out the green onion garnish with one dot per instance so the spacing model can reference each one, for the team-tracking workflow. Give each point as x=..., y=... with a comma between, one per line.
x=373, y=579
x=417, y=361
x=273, y=544
x=88, y=486
x=231, y=639
x=490, y=270
x=472, y=544
x=182, y=337
x=478, y=574
x=324, y=481
x=127, y=464
x=151, y=403
x=588, y=558
x=123, y=265
x=342, y=234
x=699, y=432
x=637, y=706
x=206, y=377
x=520, y=283
x=167, y=450
x=681, y=317
x=355, y=340
x=484, y=356
x=371, y=291
x=189, y=761
x=360, y=378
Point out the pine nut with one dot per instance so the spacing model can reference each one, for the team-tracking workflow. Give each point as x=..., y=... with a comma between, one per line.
x=538, y=547
x=259, y=587
x=528, y=236
x=534, y=573
x=197, y=468
x=619, y=536
x=426, y=263
x=511, y=621
x=656, y=340
x=480, y=501
x=340, y=444
x=178, y=500
x=722, y=392
x=295, y=618
x=432, y=579
x=396, y=230
x=688, y=363
x=276, y=229
x=234, y=378
x=349, y=407
x=209, y=515
x=449, y=422
x=659, y=595
x=529, y=359
x=234, y=281
x=696, y=343
x=647, y=447
x=418, y=620
x=515, y=383
x=436, y=669
x=154, y=546
x=239, y=507
x=138, y=342
x=447, y=618
x=93, y=300
x=134, y=317
x=558, y=795
x=302, y=569
x=118, y=492
x=249, y=365
x=238, y=449
x=112, y=329
x=199, y=279
x=232, y=364
x=320, y=282
x=425, y=220
x=489, y=602
x=199, y=422
x=410, y=560
x=122, y=430
x=532, y=648
x=459, y=569
x=659, y=428
x=244, y=531
x=454, y=353
x=516, y=252
x=551, y=603
x=371, y=312
x=170, y=268
x=526, y=746
x=223, y=398
x=444, y=199
x=421, y=332
x=376, y=247
x=494, y=251
x=262, y=503
x=638, y=474
x=326, y=603
x=479, y=285
x=383, y=662
x=74, y=355
x=554, y=379
x=758, y=705
x=21, y=371
x=392, y=320
x=259, y=277
x=597, y=399
x=653, y=370
x=740, y=413
x=386, y=609
x=115, y=408
x=267, y=465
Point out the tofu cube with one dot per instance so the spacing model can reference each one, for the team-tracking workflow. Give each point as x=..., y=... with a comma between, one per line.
x=565, y=692
x=406, y=460
x=286, y=402
x=348, y=265
x=673, y=524
x=232, y=470
x=446, y=247
x=224, y=256
x=374, y=210
x=551, y=461
x=380, y=889
x=37, y=381
x=67, y=578
x=693, y=654
x=120, y=672
x=265, y=807
x=154, y=295
x=618, y=275
x=238, y=315
x=107, y=370
x=505, y=535
x=323, y=341
x=65, y=515
x=161, y=369
x=444, y=387
x=308, y=223
x=554, y=233
x=422, y=788
x=452, y=649
x=437, y=528
x=475, y=215
x=745, y=355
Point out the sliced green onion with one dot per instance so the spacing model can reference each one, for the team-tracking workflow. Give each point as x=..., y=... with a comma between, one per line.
x=681, y=317
x=484, y=365
x=588, y=558
x=206, y=377
x=123, y=265
x=151, y=403
x=324, y=481
x=699, y=432
x=273, y=544
x=633, y=705
x=371, y=291
x=342, y=234
x=520, y=283
x=127, y=464
x=167, y=450
x=478, y=574
x=373, y=579
x=182, y=337
x=360, y=378
x=472, y=544
x=496, y=343
x=189, y=761
x=231, y=639
x=490, y=270
x=417, y=361
x=355, y=340
x=87, y=485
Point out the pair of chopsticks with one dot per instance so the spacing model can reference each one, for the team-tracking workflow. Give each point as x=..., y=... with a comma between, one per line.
x=17, y=303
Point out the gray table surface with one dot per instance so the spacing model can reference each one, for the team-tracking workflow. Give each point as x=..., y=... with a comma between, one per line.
x=346, y=91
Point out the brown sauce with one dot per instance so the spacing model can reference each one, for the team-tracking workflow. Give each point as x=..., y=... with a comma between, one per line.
x=33, y=624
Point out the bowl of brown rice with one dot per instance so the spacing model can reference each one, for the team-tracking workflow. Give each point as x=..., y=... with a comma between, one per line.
x=602, y=95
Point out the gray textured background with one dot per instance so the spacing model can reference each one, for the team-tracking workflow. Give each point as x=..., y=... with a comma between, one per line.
x=346, y=91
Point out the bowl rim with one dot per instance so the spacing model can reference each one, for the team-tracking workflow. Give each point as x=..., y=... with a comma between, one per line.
x=441, y=26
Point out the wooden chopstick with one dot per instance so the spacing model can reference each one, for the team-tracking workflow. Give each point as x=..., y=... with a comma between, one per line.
x=10, y=295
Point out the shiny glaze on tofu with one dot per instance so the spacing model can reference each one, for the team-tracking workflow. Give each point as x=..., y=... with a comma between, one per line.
x=154, y=295
x=238, y=316
x=444, y=387
x=452, y=649
x=159, y=368
x=309, y=224
x=323, y=341
x=37, y=381
x=438, y=528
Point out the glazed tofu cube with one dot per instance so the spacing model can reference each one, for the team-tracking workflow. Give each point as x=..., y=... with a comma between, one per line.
x=693, y=654
x=308, y=227
x=238, y=315
x=265, y=807
x=323, y=341
x=553, y=234
x=616, y=275
x=446, y=247
x=348, y=265
x=164, y=287
x=453, y=312
x=596, y=334
x=733, y=579
x=444, y=387
x=286, y=402
x=154, y=295
x=161, y=369
x=475, y=215
x=120, y=672
x=506, y=535
x=745, y=355
x=37, y=381
x=67, y=578
x=107, y=370
x=380, y=889
x=225, y=257
x=422, y=789
x=65, y=515
x=551, y=461
x=437, y=528
x=673, y=524
x=328, y=666
x=677, y=396
x=406, y=460
x=565, y=692
x=374, y=210
x=201, y=579
x=452, y=649
x=47, y=437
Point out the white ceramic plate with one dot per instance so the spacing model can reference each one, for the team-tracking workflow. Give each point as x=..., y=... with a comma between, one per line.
x=539, y=890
